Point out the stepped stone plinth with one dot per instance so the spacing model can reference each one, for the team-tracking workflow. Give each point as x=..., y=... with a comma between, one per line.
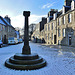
x=25, y=60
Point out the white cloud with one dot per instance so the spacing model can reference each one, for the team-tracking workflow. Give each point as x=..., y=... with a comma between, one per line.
x=18, y=21
x=48, y=5
x=36, y=18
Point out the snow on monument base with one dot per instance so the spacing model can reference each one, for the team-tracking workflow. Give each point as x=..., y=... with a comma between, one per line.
x=25, y=62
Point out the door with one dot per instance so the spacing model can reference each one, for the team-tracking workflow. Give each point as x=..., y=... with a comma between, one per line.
x=70, y=40
x=5, y=40
x=54, y=39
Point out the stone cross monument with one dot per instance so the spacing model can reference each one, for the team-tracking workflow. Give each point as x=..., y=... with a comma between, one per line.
x=26, y=47
x=25, y=60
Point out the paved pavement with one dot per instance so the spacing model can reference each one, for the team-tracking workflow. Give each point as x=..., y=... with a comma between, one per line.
x=60, y=59
x=63, y=48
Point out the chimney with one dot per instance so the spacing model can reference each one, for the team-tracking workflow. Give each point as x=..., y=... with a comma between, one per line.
x=7, y=19
x=68, y=2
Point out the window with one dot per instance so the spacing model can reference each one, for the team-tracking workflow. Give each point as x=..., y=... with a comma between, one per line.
x=63, y=32
x=48, y=26
x=63, y=10
x=72, y=4
x=69, y=18
x=64, y=20
x=42, y=33
x=52, y=25
x=48, y=36
x=8, y=29
x=59, y=21
x=58, y=32
x=1, y=28
x=52, y=36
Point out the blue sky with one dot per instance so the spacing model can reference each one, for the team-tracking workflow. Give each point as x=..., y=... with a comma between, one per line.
x=39, y=8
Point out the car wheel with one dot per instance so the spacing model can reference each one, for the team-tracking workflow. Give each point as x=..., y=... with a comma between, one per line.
x=1, y=46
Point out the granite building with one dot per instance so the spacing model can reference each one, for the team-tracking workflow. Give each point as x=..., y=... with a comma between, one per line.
x=6, y=29
x=61, y=28
x=36, y=37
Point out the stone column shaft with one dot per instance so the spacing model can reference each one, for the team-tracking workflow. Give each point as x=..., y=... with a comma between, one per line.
x=26, y=47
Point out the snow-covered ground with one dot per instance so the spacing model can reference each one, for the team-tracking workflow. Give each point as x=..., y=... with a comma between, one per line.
x=59, y=62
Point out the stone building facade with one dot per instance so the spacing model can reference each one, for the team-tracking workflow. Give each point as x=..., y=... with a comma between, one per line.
x=36, y=36
x=6, y=29
x=31, y=30
x=60, y=26
x=3, y=30
x=36, y=33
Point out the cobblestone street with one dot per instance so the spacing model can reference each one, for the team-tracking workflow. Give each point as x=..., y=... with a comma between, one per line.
x=60, y=59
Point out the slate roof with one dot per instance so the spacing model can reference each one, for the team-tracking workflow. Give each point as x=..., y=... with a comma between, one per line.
x=4, y=21
x=1, y=22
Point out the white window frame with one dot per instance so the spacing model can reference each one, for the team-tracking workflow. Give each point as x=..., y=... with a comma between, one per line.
x=69, y=18
x=59, y=21
x=63, y=32
x=72, y=5
x=64, y=20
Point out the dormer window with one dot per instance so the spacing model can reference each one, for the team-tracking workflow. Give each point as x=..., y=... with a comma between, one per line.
x=54, y=16
x=63, y=12
x=72, y=4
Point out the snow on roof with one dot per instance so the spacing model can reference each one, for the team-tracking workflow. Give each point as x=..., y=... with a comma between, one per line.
x=1, y=22
x=7, y=22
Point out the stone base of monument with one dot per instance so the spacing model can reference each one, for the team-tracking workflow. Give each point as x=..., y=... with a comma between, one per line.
x=25, y=62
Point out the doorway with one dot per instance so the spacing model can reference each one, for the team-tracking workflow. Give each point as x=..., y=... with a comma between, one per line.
x=5, y=40
x=70, y=40
x=54, y=39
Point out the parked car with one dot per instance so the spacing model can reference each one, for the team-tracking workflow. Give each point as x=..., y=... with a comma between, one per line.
x=1, y=43
x=20, y=40
x=12, y=40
